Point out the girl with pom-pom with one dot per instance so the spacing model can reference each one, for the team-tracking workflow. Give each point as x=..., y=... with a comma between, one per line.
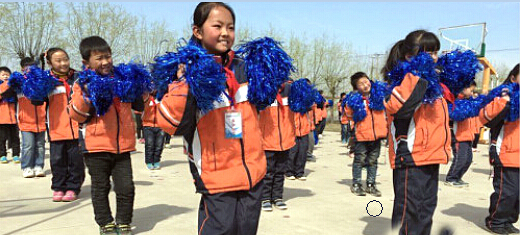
x=365, y=106
x=107, y=135
x=419, y=130
x=463, y=133
x=68, y=169
x=224, y=141
x=31, y=122
x=501, y=115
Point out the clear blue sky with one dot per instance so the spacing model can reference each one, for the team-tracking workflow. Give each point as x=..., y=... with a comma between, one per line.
x=369, y=27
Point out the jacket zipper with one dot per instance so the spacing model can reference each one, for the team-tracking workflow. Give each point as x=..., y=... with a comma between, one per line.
x=373, y=125
x=36, y=114
x=10, y=117
x=446, y=132
x=244, y=162
x=71, y=129
x=117, y=136
x=279, y=128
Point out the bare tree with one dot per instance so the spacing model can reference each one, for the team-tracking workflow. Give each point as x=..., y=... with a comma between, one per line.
x=27, y=28
x=151, y=39
x=111, y=22
x=298, y=50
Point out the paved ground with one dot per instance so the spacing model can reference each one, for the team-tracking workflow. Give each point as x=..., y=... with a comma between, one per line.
x=165, y=201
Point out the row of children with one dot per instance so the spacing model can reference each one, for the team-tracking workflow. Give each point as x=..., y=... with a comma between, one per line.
x=424, y=109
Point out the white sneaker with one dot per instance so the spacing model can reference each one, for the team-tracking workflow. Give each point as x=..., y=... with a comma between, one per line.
x=28, y=173
x=303, y=178
x=38, y=172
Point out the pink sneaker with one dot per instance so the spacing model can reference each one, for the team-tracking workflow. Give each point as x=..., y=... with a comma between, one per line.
x=57, y=196
x=69, y=196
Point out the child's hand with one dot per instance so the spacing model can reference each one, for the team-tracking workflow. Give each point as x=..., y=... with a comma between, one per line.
x=181, y=70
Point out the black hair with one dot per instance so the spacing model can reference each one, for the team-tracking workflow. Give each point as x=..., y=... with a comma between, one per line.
x=512, y=74
x=342, y=94
x=93, y=43
x=5, y=69
x=27, y=61
x=48, y=55
x=202, y=11
x=415, y=42
x=355, y=78
x=473, y=83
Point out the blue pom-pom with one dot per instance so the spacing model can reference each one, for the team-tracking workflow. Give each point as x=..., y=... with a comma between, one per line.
x=422, y=66
x=514, y=104
x=38, y=84
x=299, y=99
x=100, y=90
x=355, y=102
x=268, y=67
x=318, y=98
x=377, y=96
x=16, y=81
x=10, y=99
x=458, y=69
x=204, y=75
x=464, y=109
x=132, y=81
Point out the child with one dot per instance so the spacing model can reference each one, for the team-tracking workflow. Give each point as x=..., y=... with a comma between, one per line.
x=278, y=130
x=370, y=128
x=8, y=128
x=68, y=169
x=227, y=160
x=323, y=111
x=420, y=137
x=31, y=121
x=341, y=121
x=463, y=135
x=501, y=115
x=153, y=135
x=106, y=142
x=139, y=126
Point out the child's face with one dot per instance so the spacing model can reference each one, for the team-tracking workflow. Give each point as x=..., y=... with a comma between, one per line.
x=217, y=34
x=363, y=85
x=434, y=55
x=4, y=75
x=468, y=92
x=60, y=62
x=99, y=61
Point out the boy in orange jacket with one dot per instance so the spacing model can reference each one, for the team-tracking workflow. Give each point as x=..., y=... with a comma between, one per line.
x=8, y=127
x=369, y=130
x=106, y=142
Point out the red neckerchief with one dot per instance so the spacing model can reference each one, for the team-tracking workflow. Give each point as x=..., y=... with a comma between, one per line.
x=63, y=78
x=446, y=93
x=231, y=81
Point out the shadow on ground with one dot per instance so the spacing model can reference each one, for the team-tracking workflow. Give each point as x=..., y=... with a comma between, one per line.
x=291, y=193
x=146, y=218
x=469, y=213
x=376, y=225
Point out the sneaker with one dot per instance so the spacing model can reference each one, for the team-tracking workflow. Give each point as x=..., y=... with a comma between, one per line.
x=57, y=196
x=108, y=229
x=267, y=206
x=311, y=158
x=290, y=177
x=511, y=229
x=371, y=189
x=28, y=173
x=149, y=166
x=157, y=165
x=16, y=159
x=278, y=203
x=454, y=184
x=302, y=178
x=463, y=183
x=357, y=190
x=141, y=141
x=4, y=159
x=69, y=196
x=124, y=229
x=38, y=171
x=500, y=230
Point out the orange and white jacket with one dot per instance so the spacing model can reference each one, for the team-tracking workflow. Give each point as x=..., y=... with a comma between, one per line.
x=505, y=136
x=217, y=164
x=465, y=130
x=61, y=126
x=31, y=118
x=149, y=115
x=8, y=112
x=277, y=123
x=419, y=133
x=114, y=132
x=301, y=122
x=372, y=127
